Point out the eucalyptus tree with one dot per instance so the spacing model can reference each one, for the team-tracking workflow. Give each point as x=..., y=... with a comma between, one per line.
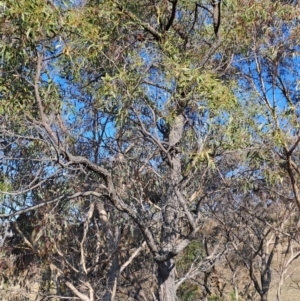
x=132, y=106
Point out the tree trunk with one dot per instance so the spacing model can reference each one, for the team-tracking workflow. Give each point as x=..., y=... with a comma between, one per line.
x=166, y=269
x=264, y=296
x=112, y=238
x=166, y=281
x=112, y=280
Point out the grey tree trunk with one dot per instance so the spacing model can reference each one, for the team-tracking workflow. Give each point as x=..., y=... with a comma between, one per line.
x=166, y=269
x=264, y=296
x=112, y=280
x=166, y=281
x=112, y=238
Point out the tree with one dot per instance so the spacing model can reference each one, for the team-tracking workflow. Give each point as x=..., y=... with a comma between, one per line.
x=117, y=105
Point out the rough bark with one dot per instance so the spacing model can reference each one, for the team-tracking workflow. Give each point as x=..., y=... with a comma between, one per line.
x=166, y=269
x=113, y=240
x=264, y=296
x=112, y=280
x=166, y=281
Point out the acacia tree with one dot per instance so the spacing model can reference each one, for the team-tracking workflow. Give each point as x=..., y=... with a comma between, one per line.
x=133, y=105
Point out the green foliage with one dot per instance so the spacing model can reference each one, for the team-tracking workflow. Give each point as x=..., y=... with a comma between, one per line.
x=193, y=254
x=4, y=184
x=215, y=298
x=189, y=292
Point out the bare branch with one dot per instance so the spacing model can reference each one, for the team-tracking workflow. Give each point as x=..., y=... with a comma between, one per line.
x=63, y=197
x=133, y=255
x=172, y=16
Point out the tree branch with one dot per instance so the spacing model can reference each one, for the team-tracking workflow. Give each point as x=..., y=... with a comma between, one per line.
x=173, y=14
